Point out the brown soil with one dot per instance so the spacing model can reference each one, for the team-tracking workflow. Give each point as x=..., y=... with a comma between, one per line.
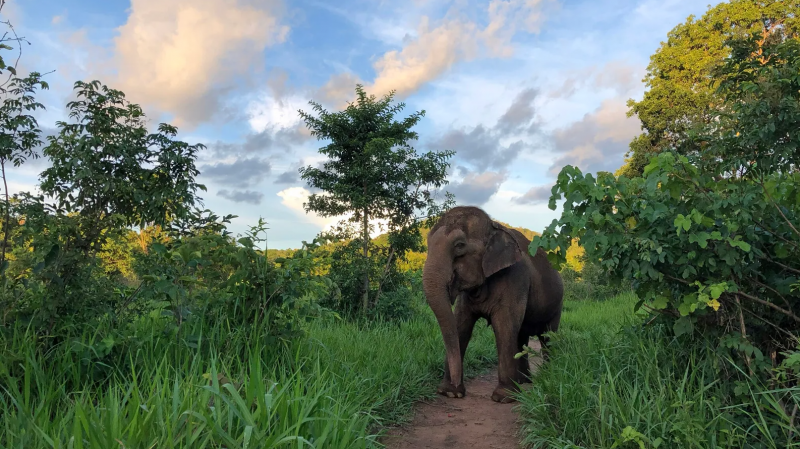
x=474, y=421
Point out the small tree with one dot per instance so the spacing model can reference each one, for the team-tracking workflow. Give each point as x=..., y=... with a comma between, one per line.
x=19, y=130
x=108, y=168
x=373, y=172
x=107, y=173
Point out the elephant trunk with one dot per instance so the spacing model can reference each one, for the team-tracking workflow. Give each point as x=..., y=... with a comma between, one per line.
x=436, y=274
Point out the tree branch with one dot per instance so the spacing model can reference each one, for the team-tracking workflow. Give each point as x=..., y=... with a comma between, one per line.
x=778, y=328
x=785, y=301
x=385, y=273
x=744, y=333
x=768, y=304
x=763, y=187
x=785, y=267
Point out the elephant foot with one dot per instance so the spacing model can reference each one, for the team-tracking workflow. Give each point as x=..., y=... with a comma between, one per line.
x=503, y=394
x=447, y=389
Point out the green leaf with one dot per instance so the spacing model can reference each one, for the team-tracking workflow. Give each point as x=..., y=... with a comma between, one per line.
x=51, y=256
x=718, y=289
x=682, y=222
x=682, y=326
x=660, y=303
x=744, y=246
x=162, y=285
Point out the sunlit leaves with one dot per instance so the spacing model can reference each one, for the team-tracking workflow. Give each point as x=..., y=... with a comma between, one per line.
x=682, y=222
x=711, y=231
x=681, y=74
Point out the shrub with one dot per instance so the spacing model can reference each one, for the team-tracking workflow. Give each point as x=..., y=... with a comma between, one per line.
x=630, y=385
x=593, y=281
x=708, y=237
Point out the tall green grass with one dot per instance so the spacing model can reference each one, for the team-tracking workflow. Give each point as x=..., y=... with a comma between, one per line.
x=613, y=383
x=221, y=387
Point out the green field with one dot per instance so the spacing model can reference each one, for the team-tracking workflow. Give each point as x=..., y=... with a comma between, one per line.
x=608, y=385
x=335, y=389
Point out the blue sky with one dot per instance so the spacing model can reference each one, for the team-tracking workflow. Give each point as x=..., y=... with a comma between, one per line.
x=518, y=88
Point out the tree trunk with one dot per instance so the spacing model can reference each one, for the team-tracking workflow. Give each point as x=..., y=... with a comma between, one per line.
x=7, y=215
x=365, y=236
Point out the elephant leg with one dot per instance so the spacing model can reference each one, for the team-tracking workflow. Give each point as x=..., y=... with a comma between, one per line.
x=552, y=326
x=524, y=362
x=465, y=322
x=506, y=331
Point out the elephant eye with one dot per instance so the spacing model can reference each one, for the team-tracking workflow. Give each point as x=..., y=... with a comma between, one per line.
x=460, y=246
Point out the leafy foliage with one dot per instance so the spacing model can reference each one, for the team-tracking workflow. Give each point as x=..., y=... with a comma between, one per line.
x=374, y=173
x=709, y=237
x=210, y=275
x=591, y=282
x=78, y=262
x=108, y=165
x=679, y=78
x=612, y=383
x=19, y=135
x=107, y=173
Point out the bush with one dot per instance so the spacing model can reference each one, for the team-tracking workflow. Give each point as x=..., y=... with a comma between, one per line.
x=708, y=237
x=630, y=386
x=403, y=300
x=390, y=290
x=593, y=282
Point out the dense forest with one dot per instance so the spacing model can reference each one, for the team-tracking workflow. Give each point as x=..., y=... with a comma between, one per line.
x=130, y=316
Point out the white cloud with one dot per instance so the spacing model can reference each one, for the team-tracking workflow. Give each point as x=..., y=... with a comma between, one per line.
x=294, y=197
x=448, y=106
x=620, y=77
x=437, y=46
x=268, y=112
x=435, y=50
x=181, y=55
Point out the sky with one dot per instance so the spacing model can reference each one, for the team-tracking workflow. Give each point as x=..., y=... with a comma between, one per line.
x=517, y=88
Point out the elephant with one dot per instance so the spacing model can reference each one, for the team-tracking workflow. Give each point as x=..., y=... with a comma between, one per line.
x=488, y=268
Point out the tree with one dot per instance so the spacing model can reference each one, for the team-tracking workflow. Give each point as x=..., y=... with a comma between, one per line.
x=19, y=131
x=373, y=172
x=709, y=235
x=680, y=94
x=107, y=174
x=110, y=170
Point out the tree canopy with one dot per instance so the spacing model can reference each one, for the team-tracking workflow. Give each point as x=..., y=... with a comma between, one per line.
x=680, y=74
x=373, y=172
x=709, y=235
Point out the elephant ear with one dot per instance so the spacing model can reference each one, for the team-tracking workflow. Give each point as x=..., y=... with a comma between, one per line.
x=502, y=251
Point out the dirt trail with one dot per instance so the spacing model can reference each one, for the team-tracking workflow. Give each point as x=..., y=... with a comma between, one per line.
x=474, y=421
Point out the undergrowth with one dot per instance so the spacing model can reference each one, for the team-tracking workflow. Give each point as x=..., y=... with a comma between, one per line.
x=614, y=382
x=337, y=388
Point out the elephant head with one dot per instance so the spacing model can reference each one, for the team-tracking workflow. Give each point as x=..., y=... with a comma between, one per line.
x=465, y=247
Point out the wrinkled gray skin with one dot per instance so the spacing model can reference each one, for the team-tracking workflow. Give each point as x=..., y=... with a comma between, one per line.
x=487, y=267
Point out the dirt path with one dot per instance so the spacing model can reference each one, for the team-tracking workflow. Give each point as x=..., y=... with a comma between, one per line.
x=472, y=422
